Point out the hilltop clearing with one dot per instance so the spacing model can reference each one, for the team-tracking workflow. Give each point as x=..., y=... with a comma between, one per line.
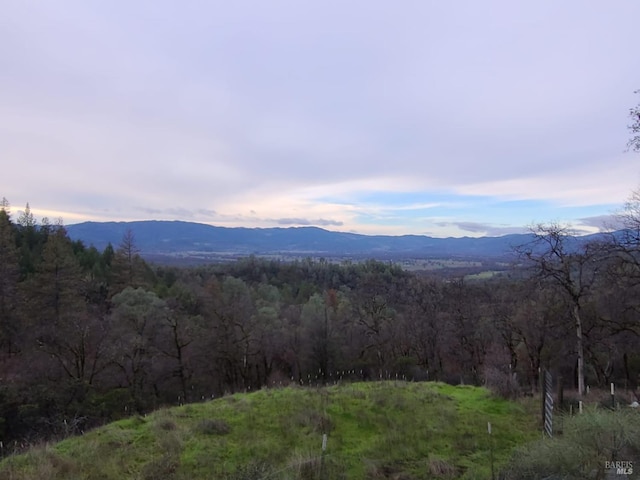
x=380, y=430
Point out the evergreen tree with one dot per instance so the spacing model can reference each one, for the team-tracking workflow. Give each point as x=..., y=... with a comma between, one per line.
x=28, y=241
x=26, y=218
x=59, y=277
x=128, y=269
x=9, y=274
x=60, y=322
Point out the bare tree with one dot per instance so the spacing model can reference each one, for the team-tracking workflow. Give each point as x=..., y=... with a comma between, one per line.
x=425, y=329
x=634, y=128
x=179, y=329
x=571, y=265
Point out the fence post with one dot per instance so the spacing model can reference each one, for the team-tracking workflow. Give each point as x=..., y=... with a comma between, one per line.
x=547, y=403
x=490, y=450
x=613, y=397
x=323, y=473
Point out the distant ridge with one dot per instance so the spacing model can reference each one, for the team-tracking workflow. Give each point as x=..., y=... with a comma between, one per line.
x=154, y=237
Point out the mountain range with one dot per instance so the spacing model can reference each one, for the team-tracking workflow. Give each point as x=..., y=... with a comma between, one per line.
x=184, y=239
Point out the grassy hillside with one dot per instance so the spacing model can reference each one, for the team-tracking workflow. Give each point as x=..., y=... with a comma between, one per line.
x=375, y=430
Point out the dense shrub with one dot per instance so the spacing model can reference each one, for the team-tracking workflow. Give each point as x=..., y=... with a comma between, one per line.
x=590, y=440
x=501, y=383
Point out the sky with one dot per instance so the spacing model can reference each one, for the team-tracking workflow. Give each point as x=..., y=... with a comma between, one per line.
x=421, y=117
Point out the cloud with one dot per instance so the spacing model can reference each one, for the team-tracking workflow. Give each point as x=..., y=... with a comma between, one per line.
x=206, y=213
x=174, y=212
x=453, y=117
x=483, y=228
x=602, y=223
x=303, y=221
x=605, y=183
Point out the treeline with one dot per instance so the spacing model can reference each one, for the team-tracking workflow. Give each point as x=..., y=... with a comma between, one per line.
x=87, y=336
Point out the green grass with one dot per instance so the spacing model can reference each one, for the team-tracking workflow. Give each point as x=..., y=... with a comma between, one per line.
x=375, y=430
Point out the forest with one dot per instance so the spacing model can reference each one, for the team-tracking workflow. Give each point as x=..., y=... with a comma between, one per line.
x=90, y=336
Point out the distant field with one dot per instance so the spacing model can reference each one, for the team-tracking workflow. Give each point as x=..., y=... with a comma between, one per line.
x=410, y=264
x=375, y=430
x=437, y=264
